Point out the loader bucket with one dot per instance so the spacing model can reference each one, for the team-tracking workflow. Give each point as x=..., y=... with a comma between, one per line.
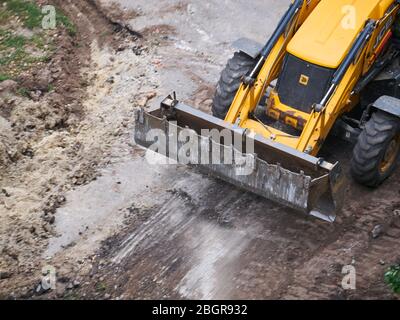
x=276, y=172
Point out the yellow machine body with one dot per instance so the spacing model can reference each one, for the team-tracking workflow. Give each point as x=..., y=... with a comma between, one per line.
x=324, y=39
x=326, y=36
x=338, y=41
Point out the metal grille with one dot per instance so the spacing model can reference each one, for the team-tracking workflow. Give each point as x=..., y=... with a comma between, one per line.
x=301, y=84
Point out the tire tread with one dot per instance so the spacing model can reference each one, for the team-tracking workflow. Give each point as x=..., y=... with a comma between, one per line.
x=371, y=145
x=238, y=66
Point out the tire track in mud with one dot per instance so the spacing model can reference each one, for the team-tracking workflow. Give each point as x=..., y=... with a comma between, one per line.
x=321, y=276
x=209, y=240
x=231, y=245
x=193, y=236
x=179, y=223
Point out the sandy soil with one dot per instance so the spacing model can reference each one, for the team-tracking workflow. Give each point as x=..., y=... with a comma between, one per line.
x=81, y=197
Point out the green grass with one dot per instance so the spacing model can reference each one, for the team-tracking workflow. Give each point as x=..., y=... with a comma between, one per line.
x=39, y=40
x=4, y=14
x=67, y=23
x=3, y=33
x=16, y=42
x=4, y=77
x=30, y=13
x=13, y=52
x=17, y=57
x=392, y=278
x=8, y=40
x=50, y=88
x=15, y=49
x=101, y=286
x=32, y=16
x=23, y=92
x=72, y=296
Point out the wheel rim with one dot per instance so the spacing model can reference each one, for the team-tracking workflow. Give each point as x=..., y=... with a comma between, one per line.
x=390, y=156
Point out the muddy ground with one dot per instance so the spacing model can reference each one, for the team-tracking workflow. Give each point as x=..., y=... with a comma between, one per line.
x=78, y=195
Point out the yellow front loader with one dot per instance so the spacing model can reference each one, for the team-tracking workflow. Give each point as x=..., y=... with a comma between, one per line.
x=330, y=66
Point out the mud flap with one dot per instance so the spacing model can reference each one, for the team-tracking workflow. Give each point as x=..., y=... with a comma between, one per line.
x=271, y=170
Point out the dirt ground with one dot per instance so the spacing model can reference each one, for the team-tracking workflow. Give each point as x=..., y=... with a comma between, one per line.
x=78, y=195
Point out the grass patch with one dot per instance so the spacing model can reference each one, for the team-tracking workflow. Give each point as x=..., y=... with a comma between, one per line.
x=18, y=51
x=38, y=40
x=30, y=13
x=24, y=92
x=71, y=296
x=4, y=77
x=8, y=40
x=392, y=278
x=4, y=14
x=101, y=286
x=32, y=16
x=13, y=52
x=67, y=23
x=16, y=57
x=30, y=60
x=16, y=42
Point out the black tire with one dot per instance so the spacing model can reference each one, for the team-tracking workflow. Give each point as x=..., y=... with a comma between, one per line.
x=229, y=83
x=370, y=164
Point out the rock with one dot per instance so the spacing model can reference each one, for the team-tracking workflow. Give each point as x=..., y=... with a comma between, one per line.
x=110, y=80
x=377, y=231
x=122, y=47
x=5, y=192
x=117, y=132
x=52, y=219
x=76, y=283
x=208, y=102
x=151, y=95
x=382, y=263
x=35, y=95
x=107, y=296
x=144, y=100
x=125, y=123
x=70, y=286
x=8, y=86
